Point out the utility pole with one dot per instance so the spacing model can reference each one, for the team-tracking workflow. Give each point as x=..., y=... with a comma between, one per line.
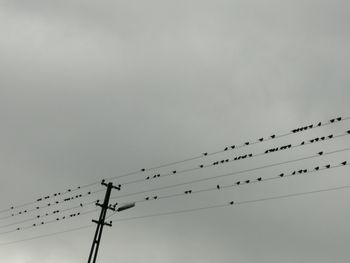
x=101, y=222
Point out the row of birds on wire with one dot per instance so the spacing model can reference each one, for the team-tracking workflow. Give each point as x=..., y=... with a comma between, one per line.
x=237, y=183
x=240, y=157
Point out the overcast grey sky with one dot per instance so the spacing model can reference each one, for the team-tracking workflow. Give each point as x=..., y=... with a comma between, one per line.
x=93, y=89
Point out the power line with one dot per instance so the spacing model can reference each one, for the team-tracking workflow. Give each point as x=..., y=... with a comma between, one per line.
x=228, y=148
x=240, y=183
x=234, y=147
x=317, y=155
x=217, y=187
x=243, y=157
x=237, y=158
x=231, y=203
x=42, y=223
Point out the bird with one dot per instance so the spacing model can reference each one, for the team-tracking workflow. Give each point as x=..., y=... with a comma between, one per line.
x=319, y=124
x=201, y=166
x=344, y=163
x=273, y=136
x=261, y=139
x=348, y=131
x=231, y=203
x=281, y=175
x=205, y=154
x=226, y=149
x=320, y=153
x=143, y=169
x=227, y=160
x=246, y=143
x=317, y=168
x=238, y=183
x=250, y=155
x=330, y=136
x=293, y=173
x=147, y=178
x=218, y=186
x=155, y=197
x=322, y=138
x=247, y=181
x=147, y=198
x=332, y=120
x=311, y=126
x=233, y=146
x=302, y=143
x=339, y=119
x=327, y=166
x=259, y=179
x=174, y=172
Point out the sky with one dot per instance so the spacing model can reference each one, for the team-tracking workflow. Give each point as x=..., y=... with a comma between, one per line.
x=96, y=89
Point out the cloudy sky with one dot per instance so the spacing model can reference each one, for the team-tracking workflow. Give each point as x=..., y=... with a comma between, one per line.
x=95, y=89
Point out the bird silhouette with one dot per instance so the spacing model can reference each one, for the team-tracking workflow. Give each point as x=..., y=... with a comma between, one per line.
x=233, y=146
x=317, y=168
x=246, y=143
x=339, y=119
x=320, y=153
x=261, y=139
x=273, y=136
x=143, y=169
x=344, y=163
x=231, y=203
x=201, y=166
x=238, y=183
x=259, y=179
x=281, y=175
x=348, y=131
x=328, y=166
x=247, y=181
x=332, y=120
x=330, y=136
x=218, y=186
x=226, y=149
x=205, y=154
x=319, y=124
